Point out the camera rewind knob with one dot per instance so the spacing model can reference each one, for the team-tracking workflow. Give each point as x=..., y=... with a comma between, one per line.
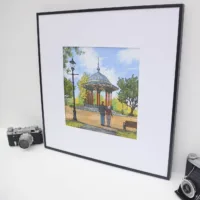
x=192, y=156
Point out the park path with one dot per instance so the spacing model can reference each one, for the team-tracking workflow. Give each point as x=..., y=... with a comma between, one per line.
x=93, y=119
x=102, y=130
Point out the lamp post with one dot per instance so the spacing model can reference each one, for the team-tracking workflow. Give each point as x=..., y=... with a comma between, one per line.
x=72, y=65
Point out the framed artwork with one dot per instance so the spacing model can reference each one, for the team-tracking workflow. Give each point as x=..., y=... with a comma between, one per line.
x=108, y=80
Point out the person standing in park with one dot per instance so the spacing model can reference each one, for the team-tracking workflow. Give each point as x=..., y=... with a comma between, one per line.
x=102, y=110
x=108, y=115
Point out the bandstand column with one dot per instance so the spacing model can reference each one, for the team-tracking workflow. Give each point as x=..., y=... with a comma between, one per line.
x=92, y=97
x=110, y=98
x=99, y=97
x=86, y=97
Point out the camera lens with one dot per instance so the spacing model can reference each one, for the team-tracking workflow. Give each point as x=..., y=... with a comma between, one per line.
x=25, y=140
x=188, y=188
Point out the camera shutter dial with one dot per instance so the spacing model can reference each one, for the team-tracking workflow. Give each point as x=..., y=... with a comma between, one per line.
x=25, y=140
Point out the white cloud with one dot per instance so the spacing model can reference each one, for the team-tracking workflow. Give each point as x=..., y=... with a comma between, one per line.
x=110, y=74
x=128, y=55
x=89, y=60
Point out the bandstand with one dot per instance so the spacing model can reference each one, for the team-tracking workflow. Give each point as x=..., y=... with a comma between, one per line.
x=99, y=83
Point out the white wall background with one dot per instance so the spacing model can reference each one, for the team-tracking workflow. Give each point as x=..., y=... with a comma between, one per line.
x=19, y=77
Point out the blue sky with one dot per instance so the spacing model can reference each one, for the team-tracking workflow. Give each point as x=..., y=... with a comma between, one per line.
x=113, y=63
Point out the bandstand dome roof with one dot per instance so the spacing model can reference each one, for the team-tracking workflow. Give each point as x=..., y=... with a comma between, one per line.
x=99, y=78
x=98, y=81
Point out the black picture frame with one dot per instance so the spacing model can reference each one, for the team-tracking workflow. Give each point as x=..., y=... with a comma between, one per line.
x=178, y=58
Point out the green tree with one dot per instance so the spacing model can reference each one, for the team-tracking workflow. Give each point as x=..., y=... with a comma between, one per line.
x=82, y=91
x=129, y=92
x=122, y=99
x=68, y=88
x=114, y=104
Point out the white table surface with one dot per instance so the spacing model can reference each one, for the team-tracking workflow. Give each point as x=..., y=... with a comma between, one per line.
x=42, y=174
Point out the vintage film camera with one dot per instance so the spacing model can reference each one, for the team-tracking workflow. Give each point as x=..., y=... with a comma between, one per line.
x=24, y=137
x=189, y=189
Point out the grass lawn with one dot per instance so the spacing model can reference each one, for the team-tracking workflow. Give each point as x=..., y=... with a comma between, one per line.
x=127, y=134
x=73, y=123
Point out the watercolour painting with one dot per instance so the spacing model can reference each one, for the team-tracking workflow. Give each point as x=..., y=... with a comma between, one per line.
x=101, y=89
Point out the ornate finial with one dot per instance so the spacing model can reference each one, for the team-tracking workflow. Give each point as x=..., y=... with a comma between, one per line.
x=98, y=68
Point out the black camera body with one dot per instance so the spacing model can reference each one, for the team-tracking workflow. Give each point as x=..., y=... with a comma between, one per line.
x=189, y=189
x=24, y=137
